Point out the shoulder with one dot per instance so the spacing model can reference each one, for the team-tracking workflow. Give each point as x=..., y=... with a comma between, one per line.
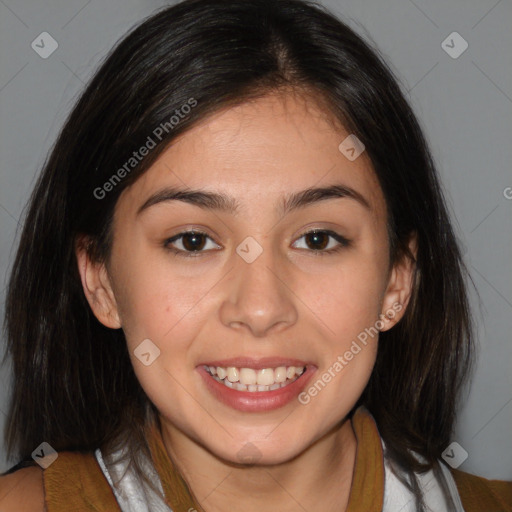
x=74, y=481
x=71, y=483
x=22, y=490
x=478, y=493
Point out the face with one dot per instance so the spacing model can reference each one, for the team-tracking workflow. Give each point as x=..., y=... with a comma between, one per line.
x=262, y=308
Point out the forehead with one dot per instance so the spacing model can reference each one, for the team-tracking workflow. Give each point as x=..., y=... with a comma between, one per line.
x=260, y=151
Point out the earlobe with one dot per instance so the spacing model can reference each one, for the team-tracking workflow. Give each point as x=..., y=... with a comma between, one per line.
x=97, y=288
x=400, y=287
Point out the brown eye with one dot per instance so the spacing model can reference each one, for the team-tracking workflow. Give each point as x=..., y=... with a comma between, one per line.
x=193, y=241
x=318, y=241
x=189, y=242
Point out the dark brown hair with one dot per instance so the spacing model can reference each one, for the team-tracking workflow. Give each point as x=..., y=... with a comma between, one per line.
x=74, y=386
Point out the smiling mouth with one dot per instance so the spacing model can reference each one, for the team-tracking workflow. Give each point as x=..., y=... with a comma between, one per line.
x=251, y=380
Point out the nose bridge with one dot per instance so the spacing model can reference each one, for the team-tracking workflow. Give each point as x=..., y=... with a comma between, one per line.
x=260, y=298
x=259, y=273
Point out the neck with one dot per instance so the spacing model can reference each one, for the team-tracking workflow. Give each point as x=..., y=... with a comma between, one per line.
x=319, y=478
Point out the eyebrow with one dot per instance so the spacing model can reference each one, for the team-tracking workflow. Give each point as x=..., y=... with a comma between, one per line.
x=224, y=203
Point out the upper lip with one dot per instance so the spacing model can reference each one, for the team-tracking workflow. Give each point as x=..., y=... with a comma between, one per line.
x=257, y=363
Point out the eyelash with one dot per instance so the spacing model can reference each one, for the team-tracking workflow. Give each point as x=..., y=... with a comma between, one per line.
x=343, y=242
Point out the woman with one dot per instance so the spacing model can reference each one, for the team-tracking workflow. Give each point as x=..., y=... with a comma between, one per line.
x=243, y=289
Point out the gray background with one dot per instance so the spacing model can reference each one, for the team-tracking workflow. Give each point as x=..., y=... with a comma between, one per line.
x=464, y=105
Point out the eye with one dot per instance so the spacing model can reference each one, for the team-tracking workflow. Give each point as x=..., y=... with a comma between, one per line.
x=189, y=242
x=186, y=243
x=318, y=242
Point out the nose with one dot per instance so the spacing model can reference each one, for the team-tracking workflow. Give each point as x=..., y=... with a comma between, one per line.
x=260, y=297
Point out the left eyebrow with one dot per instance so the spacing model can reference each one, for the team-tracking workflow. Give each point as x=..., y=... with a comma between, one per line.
x=222, y=202
x=312, y=195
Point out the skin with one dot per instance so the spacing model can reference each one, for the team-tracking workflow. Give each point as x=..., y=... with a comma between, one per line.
x=289, y=302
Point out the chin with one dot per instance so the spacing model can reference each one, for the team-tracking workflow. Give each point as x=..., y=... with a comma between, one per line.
x=261, y=453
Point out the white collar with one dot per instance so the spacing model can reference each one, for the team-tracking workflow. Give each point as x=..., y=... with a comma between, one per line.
x=133, y=495
x=398, y=498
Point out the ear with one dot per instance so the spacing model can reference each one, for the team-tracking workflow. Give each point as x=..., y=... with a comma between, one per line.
x=399, y=288
x=97, y=286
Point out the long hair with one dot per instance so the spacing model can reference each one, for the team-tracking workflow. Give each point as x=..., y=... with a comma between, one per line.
x=74, y=386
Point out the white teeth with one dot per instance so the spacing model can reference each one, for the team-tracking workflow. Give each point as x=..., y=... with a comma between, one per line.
x=233, y=374
x=280, y=374
x=251, y=380
x=247, y=376
x=266, y=377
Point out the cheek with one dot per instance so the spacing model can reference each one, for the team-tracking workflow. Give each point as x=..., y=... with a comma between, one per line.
x=347, y=303
x=347, y=298
x=168, y=310
x=154, y=300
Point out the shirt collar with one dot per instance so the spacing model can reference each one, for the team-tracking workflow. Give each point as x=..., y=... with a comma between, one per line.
x=366, y=493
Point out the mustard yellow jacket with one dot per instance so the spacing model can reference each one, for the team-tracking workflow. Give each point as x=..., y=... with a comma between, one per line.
x=75, y=481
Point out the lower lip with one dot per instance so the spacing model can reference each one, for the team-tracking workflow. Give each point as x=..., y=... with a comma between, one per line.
x=256, y=401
